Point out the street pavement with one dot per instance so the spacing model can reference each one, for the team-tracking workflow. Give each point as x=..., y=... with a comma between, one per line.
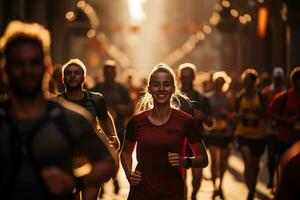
x=233, y=185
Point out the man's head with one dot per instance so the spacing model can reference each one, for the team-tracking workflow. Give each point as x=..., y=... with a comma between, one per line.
x=295, y=79
x=278, y=76
x=186, y=74
x=249, y=77
x=26, y=49
x=110, y=71
x=73, y=74
x=221, y=81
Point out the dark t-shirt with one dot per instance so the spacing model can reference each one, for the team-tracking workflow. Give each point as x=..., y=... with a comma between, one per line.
x=160, y=179
x=93, y=102
x=114, y=95
x=198, y=101
x=28, y=147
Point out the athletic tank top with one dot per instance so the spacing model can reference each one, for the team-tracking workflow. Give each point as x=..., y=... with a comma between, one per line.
x=252, y=125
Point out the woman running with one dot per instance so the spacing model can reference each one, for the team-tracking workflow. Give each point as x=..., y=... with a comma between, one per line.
x=160, y=132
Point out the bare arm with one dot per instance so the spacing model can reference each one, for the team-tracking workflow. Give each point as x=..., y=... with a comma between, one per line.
x=126, y=157
x=109, y=128
x=134, y=177
x=60, y=182
x=199, y=161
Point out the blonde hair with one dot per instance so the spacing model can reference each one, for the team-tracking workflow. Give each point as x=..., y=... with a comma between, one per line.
x=76, y=62
x=146, y=102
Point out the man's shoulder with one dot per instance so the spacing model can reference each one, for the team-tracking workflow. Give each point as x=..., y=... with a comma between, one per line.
x=98, y=86
x=95, y=95
x=198, y=96
x=73, y=112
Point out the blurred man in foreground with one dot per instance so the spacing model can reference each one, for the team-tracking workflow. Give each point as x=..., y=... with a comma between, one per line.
x=39, y=138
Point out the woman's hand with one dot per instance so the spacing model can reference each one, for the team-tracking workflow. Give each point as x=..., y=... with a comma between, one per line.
x=135, y=178
x=175, y=160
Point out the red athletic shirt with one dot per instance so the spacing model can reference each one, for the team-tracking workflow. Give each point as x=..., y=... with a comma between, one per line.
x=286, y=133
x=159, y=178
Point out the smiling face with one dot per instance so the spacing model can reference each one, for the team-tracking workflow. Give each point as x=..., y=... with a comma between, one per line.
x=73, y=77
x=161, y=87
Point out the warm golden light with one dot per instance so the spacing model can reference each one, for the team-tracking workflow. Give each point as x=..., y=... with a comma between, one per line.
x=248, y=17
x=136, y=11
x=83, y=170
x=70, y=16
x=200, y=35
x=234, y=13
x=214, y=19
x=81, y=4
x=101, y=37
x=88, y=10
x=226, y=3
x=262, y=21
x=218, y=7
x=207, y=29
x=242, y=20
x=91, y=33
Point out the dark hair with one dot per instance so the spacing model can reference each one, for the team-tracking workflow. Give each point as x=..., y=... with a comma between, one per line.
x=21, y=39
x=295, y=74
x=110, y=63
x=76, y=62
x=18, y=32
x=252, y=73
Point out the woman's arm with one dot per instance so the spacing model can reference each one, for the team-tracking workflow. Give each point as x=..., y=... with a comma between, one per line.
x=134, y=177
x=199, y=161
x=126, y=157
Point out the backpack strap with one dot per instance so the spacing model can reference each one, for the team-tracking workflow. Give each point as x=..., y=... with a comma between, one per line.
x=91, y=97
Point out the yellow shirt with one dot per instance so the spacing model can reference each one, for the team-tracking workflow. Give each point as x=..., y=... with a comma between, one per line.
x=252, y=125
